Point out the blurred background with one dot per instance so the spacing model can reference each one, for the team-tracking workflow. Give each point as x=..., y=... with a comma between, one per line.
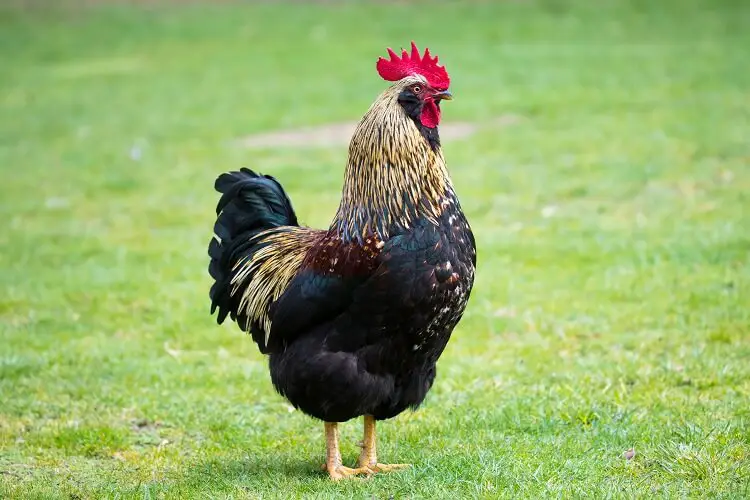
x=601, y=152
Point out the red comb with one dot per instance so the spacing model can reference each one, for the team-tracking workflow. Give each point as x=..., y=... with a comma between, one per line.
x=413, y=64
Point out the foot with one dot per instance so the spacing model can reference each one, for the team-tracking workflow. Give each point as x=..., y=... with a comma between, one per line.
x=339, y=472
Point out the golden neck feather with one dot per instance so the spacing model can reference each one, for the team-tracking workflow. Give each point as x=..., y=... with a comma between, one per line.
x=393, y=175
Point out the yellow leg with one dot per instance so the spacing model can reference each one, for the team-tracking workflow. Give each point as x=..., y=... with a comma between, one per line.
x=368, y=459
x=333, y=456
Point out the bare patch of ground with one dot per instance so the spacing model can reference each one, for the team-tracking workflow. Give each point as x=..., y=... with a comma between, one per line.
x=339, y=134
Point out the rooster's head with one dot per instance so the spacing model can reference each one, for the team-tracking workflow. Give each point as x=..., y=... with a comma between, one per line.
x=423, y=83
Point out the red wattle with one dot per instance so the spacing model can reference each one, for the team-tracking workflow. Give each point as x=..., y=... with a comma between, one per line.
x=430, y=117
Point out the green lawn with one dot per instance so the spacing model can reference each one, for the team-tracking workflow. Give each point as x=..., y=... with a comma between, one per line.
x=608, y=183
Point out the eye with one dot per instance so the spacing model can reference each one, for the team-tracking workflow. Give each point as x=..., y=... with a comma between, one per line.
x=416, y=89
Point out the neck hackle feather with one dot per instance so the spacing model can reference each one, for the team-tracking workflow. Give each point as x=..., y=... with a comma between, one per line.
x=393, y=175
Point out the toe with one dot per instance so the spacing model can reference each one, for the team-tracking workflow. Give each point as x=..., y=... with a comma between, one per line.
x=387, y=467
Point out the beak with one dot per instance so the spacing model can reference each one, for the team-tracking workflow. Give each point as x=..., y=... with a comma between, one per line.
x=445, y=95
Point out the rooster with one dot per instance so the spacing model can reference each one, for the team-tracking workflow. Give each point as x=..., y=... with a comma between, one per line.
x=354, y=317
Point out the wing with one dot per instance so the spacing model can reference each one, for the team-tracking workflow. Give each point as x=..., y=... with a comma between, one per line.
x=311, y=299
x=322, y=289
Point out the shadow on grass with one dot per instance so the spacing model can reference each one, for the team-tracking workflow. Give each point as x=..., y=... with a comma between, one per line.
x=247, y=471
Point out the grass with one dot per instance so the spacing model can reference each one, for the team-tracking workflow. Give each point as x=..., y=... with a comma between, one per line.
x=612, y=304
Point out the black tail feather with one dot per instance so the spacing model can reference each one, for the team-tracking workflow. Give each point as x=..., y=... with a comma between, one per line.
x=250, y=203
